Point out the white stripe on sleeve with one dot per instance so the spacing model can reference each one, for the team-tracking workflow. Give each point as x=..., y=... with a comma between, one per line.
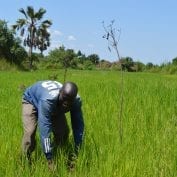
x=47, y=145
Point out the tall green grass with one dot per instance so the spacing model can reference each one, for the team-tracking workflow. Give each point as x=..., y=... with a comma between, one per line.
x=149, y=146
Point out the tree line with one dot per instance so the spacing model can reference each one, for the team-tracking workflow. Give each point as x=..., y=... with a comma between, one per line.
x=30, y=33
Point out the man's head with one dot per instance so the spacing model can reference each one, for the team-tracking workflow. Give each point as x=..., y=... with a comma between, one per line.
x=67, y=95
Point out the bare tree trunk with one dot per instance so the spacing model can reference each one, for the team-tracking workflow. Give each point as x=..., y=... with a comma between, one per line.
x=30, y=58
x=113, y=42
x=31, y=48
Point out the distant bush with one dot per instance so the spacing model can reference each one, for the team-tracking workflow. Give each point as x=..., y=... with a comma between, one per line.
x=173, y=69
x=5, y=66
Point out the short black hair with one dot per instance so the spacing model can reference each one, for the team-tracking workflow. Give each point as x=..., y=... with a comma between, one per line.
x=69, y=90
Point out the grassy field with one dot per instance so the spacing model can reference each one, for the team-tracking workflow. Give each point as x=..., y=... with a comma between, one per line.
x=149, y=121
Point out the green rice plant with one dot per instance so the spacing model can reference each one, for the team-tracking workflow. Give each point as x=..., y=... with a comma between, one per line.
x=149, y=119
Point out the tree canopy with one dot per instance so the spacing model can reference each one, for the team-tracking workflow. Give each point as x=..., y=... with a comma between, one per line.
x=34, y=30
x=10, y=47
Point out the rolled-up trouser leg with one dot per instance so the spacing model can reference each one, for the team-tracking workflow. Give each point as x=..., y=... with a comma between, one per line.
x=60, y=129
x=29, y=124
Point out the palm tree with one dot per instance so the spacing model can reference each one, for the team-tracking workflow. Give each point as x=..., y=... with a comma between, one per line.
x=29, y=28
x=43, y=38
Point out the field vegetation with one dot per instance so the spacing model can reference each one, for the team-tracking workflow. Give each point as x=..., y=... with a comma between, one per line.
x=149, y=142
x=146, y=144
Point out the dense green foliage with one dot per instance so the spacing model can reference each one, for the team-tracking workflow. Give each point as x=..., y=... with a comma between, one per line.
x=149, y=118
x=68, y=58
x=10, y=48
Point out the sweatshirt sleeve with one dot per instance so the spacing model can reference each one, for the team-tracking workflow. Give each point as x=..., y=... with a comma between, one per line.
x=77, y=123
x=45, y=127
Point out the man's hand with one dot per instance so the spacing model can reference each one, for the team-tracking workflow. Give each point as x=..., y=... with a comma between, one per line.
x=50, y=165
x=72, y=161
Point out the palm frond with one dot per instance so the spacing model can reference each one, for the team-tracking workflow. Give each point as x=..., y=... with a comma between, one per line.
x=30, y=12
x=14, y=27
x=40, y=13
x=22, y=31
x=47, y=22
x=21, y=22
x=23, y=12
